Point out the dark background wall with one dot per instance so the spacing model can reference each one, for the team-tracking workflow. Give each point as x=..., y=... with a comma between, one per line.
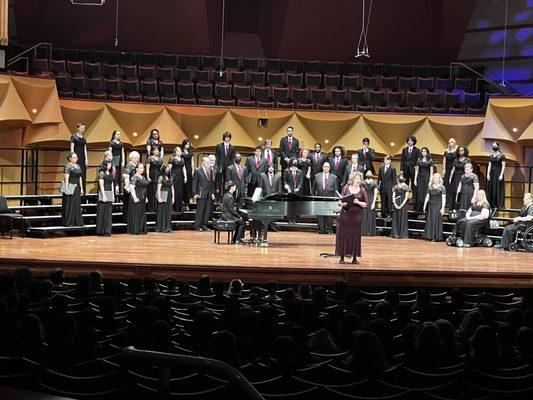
x=404, y=31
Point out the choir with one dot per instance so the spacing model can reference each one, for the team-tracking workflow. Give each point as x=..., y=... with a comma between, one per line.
x=164, y=188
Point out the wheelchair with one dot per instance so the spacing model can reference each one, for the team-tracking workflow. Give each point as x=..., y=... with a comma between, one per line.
x=480, y=238
x=523, y=238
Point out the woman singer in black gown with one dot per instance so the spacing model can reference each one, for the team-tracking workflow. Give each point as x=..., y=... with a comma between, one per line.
x=189, y=167
x=154, y=141
x=369, y=212
x=118, y=158
x=458, y=170
x=153, y=167
x=165, y=197
x=348, y=239
x=78, y=145
x=447, y=164
x=434, y=208
x=423, y=172
x=495, y=177
x=72, y=189
x=468, y=188
x=179, y=173
x=400, y=219
x=304, y=164
x=106, y=195
x=137, y=202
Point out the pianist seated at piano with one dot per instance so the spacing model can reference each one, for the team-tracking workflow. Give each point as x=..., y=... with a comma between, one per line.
x=293, y=178
x=229, y=212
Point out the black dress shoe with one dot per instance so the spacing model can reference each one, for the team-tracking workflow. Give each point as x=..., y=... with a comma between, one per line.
x=341, y=261
x=354, y=261
x=198, y=229
x=205, y=228
x=321, y=232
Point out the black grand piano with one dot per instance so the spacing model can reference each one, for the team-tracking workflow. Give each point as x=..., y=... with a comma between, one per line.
x=280, y=205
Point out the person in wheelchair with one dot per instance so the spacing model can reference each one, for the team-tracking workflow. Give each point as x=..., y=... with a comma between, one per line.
x=520, y=223
x=477, y=216
x=229, y=212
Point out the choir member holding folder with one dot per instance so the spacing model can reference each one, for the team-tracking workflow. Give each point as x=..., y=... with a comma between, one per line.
x=72, y=189
x=165, y=195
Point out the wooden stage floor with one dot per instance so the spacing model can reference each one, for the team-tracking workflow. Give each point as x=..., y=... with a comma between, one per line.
x=291, y=257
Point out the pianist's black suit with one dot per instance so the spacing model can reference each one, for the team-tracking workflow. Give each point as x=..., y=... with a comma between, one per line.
x=229, y=213
x=386, y=181
x=325, y=224
x=242, y=184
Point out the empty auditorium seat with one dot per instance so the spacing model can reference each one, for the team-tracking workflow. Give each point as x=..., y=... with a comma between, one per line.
x=280, y=94
x=331, y=80
x=313, y=80
x=287, y=105
x=168, y=60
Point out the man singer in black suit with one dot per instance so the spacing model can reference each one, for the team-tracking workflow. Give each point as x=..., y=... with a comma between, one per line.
x=387, y=179
x=410, y=155
x=224, y=153
x=255, y=165
x=270, y=155
x=238, y=174
x=326, y=184
x=203, y=188
x=366, y=156
x=229, y=212
x=289, y=148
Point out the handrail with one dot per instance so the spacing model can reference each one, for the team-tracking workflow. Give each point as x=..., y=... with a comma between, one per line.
x=33, y=48
x=241, y=388
x=485, y=78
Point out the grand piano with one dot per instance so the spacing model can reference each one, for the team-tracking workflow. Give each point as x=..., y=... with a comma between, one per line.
x=280, y=205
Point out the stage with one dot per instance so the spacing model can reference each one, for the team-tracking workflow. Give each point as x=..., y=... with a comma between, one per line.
x=292, y=257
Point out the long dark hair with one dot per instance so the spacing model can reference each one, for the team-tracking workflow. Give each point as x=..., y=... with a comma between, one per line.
x=104, y=166
x=428, y=154
x=113, y=134
x=165, y=170
x=186, y=141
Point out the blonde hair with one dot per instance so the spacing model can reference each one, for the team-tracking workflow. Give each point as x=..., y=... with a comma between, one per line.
x=351, y=178
x=439, y=176
x=454, y=143
x=134, y=154
x=481, y=193
x=469, y=165
x=529, y=195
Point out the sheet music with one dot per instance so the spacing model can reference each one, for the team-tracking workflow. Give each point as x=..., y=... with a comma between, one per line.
x=257, y=194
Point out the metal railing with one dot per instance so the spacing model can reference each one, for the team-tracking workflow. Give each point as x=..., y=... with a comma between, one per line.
x=22, y=55
x=498, y=86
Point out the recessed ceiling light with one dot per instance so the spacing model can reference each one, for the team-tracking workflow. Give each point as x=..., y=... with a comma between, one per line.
x=135, y=134
x=34, y=110
x=515, y=129
x=260, y=138
x=326, y=141
x=392, y=144
x=196, y=137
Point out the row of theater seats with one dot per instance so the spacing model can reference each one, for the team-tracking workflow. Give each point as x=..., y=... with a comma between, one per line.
x=303, y=85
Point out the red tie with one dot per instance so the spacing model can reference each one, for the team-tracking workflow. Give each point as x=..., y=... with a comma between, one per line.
x=294, y=175
x=290, y=144
x=353, y=169
x=257, y=162
x=325, y=181
x=239, y=172
x=226, y=150
x=410, y=151
x=316, y=157
x=365, y=153
x=268, y=156
x=270, y=177
x=337, y=162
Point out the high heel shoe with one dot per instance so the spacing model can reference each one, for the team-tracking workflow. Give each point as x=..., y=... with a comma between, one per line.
x=341, y=261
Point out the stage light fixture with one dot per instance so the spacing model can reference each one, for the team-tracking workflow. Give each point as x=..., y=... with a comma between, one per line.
x=262, y=122
x=515, y=129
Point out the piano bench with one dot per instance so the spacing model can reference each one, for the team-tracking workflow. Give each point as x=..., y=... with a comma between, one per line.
x=223, y=226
